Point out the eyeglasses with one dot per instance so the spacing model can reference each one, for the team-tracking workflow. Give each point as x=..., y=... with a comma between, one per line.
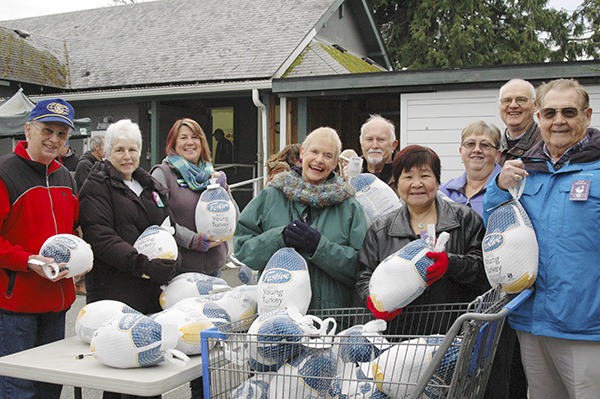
x=47, y=132
x=569, y=112
x=469, y=145
x=519, y=100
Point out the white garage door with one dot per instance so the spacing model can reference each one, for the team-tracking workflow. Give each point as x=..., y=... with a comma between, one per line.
x=436, y=119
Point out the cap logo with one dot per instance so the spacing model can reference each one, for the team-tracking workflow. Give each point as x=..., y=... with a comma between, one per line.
x=57, y=108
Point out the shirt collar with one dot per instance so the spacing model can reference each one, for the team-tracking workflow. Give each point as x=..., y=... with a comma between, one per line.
x=566, y=156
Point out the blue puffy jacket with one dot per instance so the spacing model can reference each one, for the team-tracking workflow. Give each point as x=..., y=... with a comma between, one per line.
x=566, y=302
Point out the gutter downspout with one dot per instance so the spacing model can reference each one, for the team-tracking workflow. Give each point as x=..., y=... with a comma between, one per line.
x=264, y=135
x=282, y=122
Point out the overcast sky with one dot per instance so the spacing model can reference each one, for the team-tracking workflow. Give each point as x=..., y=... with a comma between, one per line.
x=13, y=9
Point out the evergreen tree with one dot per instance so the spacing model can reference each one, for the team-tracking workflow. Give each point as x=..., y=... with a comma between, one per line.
x=584, y=38
x=466, y=33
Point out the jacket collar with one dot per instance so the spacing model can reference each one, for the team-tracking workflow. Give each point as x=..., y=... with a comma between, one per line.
x=525, y=142
x=21, y=151
x=536, y=159
x=106, y=171
x=386, y=173
x=89, y=156
x=447, y=220
x=460, y=182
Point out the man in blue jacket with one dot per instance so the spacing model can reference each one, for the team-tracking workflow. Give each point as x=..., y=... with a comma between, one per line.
x=559, y=326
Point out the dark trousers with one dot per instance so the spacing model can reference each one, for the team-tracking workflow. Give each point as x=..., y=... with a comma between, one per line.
x=507, y=378
x=114, y=395
x=197, y=388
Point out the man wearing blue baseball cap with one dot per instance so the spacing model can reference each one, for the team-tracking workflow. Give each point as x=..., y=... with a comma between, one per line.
x=37, y=200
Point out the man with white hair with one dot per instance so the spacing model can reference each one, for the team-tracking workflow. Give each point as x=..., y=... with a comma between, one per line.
x=517, y=106
x=378, y=142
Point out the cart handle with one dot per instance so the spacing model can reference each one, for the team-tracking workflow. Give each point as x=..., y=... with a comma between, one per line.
x=518, y=300
x=455, y=329
x=213, y=333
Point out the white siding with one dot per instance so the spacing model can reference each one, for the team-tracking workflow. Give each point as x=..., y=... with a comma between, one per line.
x=436, y=119
x=594, y=92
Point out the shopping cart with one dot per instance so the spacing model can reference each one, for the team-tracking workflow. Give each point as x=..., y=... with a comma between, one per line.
x=415, y=363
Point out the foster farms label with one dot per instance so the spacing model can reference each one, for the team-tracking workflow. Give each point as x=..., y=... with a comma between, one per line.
x=492, y=242
x=218, y=206
x=276, y=276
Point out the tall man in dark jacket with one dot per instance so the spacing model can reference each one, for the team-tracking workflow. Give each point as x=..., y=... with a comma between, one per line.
x=37, y=200
x=88, y=159
x=517, y=106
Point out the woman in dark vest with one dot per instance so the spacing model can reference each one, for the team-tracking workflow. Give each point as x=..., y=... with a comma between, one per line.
x=186, y=172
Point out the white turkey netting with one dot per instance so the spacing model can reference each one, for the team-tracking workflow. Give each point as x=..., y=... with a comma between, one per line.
x=510, y=248
x=215, y=214
x=284, y=281
x=375, y=196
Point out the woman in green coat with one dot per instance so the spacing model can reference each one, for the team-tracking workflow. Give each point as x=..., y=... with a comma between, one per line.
x=314, y=211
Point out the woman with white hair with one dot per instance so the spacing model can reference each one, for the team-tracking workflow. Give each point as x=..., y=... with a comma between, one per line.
x=313, y=210
x=118, y=201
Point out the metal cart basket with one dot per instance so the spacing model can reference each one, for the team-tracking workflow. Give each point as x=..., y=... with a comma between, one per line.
x=410, y=359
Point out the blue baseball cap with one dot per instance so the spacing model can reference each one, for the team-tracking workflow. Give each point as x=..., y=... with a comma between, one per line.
x=53, y=110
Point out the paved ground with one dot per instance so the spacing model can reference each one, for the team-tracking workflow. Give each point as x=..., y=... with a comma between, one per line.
x=183, y=392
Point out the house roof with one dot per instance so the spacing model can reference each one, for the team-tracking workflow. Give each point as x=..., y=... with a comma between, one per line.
x=434, y=79
x=319, y=58
x=23, y=58
x=179, y=41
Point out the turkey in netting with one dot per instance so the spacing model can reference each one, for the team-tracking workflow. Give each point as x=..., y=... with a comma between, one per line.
x=401, y=277
x=284, y=281
x=375, y=196
x=69, y=249
x=93, y=316
x=216, y=215
x=134, y=340
x=157, y=242
x=190, y=285
x=510, y=248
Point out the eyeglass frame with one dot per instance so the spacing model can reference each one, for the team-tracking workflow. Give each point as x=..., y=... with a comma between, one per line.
x=47, y=132
x=555, y=111
x=523, y=100
x=485, y=146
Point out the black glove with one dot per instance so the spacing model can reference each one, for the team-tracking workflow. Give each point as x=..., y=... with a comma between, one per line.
x=159, y=271
x=292, y=235
x=301, y=236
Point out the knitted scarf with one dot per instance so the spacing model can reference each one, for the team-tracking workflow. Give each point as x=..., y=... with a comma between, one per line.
x=196, y=176
x=331, y=192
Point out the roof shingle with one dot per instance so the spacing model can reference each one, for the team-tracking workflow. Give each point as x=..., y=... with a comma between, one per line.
x=176, y=41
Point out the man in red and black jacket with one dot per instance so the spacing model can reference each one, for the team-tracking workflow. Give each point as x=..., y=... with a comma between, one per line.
x=38, y=199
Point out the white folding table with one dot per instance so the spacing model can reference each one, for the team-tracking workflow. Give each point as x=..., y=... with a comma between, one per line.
x=57, y=363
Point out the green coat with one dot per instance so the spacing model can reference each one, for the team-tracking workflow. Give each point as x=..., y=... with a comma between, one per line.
x=334, y=264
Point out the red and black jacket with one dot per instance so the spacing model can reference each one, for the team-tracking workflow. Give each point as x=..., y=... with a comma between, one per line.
x=36, y=202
